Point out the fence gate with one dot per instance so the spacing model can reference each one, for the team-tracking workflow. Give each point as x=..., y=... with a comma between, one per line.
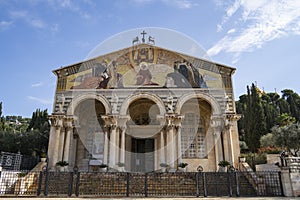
x=154, y=184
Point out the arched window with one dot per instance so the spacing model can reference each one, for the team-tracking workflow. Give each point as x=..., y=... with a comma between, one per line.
x=193, y=143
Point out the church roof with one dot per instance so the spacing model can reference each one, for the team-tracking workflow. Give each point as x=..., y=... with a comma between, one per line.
x=202, y=63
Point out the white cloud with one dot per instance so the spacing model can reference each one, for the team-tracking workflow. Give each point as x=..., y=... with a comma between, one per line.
x=5, y=24
x=71, y=5
x=38, y=23
x=25, y=16
x=40, y=100
x=231, y=31
x=182, y=4
x=257, y=23
x=37, y=84
x=142, y=1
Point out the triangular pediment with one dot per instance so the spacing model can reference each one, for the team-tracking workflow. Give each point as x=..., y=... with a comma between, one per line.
x=142, y=65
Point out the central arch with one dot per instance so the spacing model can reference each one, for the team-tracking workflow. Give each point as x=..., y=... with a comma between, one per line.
x=142, y=130
x=135, y=97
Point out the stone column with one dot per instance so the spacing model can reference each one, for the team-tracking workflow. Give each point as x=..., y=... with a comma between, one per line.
x=53, y=149
x=73, y=153
x=215, y=124
x=122, y=151
x=112, y=146
x=178, y=120
x=52, y=139
x=225, y=135
x=171, y=154
x=170, y=147
x=111, y=121
x=68, y=122
x=61, y=143
x=106, y=140
x=287, y=186
x=230, y=122
x=122, y=124
x=117, y=144
x=162, y=147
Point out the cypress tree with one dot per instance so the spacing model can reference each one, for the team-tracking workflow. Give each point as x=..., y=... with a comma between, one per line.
x=291, y=98
x=254, y=119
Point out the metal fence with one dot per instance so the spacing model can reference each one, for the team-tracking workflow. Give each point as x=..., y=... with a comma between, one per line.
x=122, y=184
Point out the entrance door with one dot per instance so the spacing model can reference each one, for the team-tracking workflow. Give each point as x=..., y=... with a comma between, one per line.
x=143, y=151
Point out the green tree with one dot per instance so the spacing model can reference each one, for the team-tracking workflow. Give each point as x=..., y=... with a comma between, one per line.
x=293, y=100
x=268, y=140
x=255, y=125
x=285, y=119
x=288, y=137
x=39, y=129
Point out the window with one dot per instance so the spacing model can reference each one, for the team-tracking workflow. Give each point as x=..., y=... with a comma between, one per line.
x=193, y=137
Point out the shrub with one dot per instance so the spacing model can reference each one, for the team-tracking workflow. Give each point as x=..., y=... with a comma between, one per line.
x=182, y=165
x=224, y=163
x=269, y=150
x=62, y=163
x=164, y=165
x=103, y=165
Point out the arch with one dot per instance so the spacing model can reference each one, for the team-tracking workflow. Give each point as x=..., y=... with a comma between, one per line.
x=134, y=97
x=82, y=97
x=216, y=109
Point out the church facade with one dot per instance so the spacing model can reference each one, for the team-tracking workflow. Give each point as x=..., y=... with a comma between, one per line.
x=141, y=109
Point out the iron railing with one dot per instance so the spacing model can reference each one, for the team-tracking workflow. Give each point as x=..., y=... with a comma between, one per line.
x=156, y=184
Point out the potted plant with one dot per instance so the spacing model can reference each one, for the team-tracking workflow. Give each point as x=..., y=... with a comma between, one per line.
x=121, y=166
x=223, y=165
x=164, y=166
x=242, y=159
x=62, y=165
x=43, y=157
x=103, y=166
x=182, y=166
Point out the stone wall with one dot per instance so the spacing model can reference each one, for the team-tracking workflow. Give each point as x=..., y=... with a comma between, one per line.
x=293, y=163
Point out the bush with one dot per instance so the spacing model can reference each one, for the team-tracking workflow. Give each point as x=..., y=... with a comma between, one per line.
x=267, y=140
x=224, y=163
x=182, y=165
x=269, y=150
x=256, y=159
x=103, y=165
x=164, y=165
x=62, y=163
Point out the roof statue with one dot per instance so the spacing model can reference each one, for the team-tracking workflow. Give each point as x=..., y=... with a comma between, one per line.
x=136, y=40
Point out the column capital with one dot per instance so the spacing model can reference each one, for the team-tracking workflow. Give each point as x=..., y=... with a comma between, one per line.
x=115, y=121
x=216, y=123
x=109, y=120
x=56, y=120
x=122, y=120
x=170, y=119
x=231, y=119
x=177, y=121
x=69, y=121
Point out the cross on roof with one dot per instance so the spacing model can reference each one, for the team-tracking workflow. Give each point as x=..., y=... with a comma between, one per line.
x=143, y=33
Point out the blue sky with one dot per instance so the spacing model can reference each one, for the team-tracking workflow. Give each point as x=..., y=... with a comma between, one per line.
x=261, y=38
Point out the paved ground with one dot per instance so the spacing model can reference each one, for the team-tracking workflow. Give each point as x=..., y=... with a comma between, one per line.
x=179, y=198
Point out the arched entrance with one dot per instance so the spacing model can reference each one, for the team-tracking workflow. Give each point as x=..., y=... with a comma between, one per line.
x=195, y=124
x=142, y=130
x=90, y=130
x=200, y=141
